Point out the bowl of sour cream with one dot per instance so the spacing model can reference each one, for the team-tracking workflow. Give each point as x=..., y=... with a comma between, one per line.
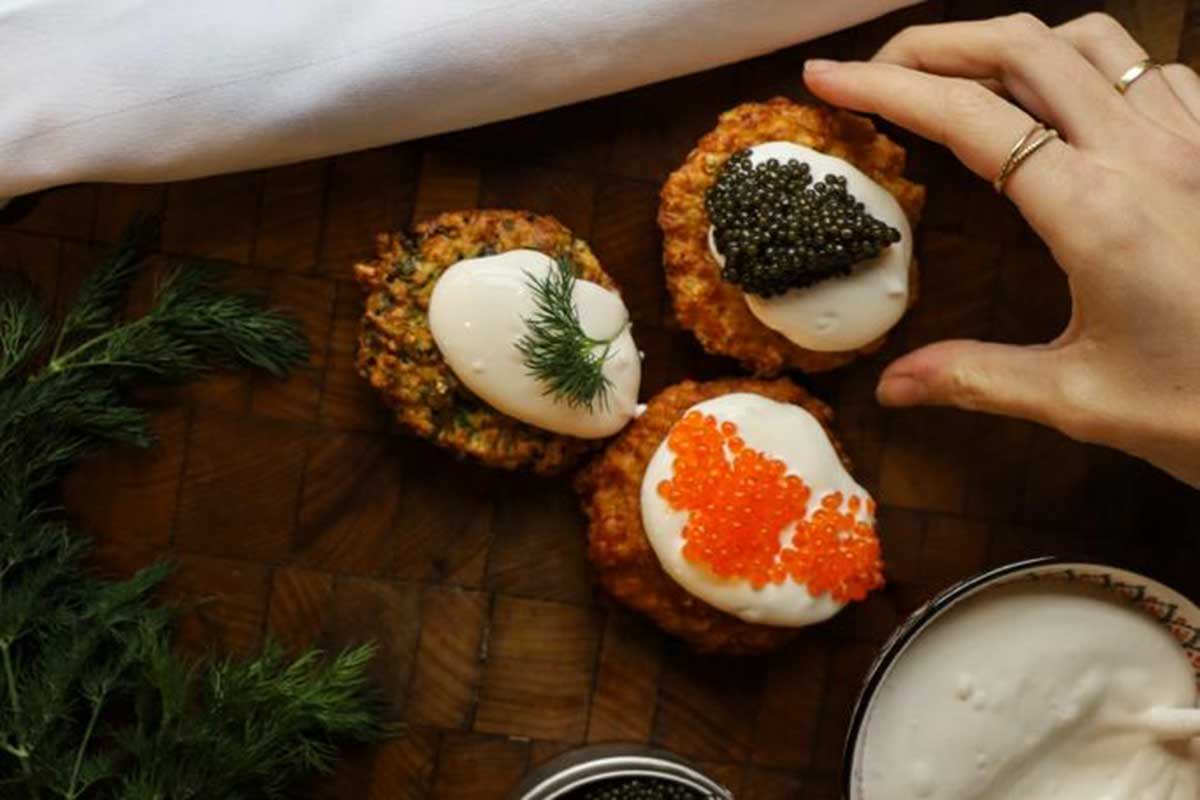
x=1037, y=680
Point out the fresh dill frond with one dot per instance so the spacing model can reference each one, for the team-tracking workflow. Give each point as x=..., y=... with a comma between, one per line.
x=557, y=351
x=227, y=329
x=95, y=703
x=60, y=400
x=98, y=301
x=192, y=325
x=246, y=728
x=24, y=326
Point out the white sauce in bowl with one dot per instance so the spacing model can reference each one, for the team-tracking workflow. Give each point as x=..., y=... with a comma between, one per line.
x=1028, y=692
x=783, y=431
x=477, y=313
x=843, y=313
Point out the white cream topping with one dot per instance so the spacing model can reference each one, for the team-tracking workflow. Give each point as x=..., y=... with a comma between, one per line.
x=1027, y=692
x=477, y=314
x=848, y=312
x=782, y=431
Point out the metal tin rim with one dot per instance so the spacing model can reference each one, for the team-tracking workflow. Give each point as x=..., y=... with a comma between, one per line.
x=585, y=765
x=918, y=621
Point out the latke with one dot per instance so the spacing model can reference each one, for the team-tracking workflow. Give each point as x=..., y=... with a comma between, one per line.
x=397, y=353
x=714, y=309
x=625, y=563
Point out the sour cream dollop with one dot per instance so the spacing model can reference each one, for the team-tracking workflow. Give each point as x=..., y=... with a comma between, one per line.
x=477, y=313
x=842, y=313
x=782, y=431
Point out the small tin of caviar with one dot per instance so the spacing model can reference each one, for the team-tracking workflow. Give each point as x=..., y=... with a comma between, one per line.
x=618, y=771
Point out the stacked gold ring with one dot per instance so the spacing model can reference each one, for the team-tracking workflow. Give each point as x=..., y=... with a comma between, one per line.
x=1027, y=145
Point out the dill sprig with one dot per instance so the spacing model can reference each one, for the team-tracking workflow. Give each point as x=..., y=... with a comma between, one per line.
x=95, y=704
x=190, y=327
x=62, y=387
x=557, y=351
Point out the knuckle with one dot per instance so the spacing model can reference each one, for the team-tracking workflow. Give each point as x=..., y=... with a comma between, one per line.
x=965, y=99
x=1107, y=207
x=1079, y=411
x=963, y=104
x=1178, y=72
x=905, y=46
x=1100, y=27
x=1021, y=39
x=1023, y=25
x=969, y=388
x=1170, y=156
x=903, y=39
x=1101, y=403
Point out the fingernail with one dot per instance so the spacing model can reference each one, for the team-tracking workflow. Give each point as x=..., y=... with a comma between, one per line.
x=901, y=390
x=817, y=65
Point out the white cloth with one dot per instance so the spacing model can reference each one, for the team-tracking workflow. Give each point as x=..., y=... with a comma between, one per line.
x=150, y=90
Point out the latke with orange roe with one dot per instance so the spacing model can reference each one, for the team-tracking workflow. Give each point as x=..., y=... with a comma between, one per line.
x=630, y=568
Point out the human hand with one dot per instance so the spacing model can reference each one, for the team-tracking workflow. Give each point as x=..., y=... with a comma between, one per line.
x=1117, y=199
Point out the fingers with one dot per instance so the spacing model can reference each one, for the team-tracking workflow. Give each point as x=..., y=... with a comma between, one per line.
x=1186, y=85
x=1112, y=50
x=977, y=125
x=978, y=376
x=1041, y=71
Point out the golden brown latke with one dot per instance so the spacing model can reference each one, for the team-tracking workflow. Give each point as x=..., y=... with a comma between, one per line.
x=610, y=489
x=714, y=309
x=397, y=353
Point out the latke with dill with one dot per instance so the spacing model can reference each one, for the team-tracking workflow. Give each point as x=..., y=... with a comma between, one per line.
x=399, y=357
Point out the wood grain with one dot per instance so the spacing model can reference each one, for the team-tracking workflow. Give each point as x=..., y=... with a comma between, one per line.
x=242, y=476
x=293, y=507
x=473, y=767
x=627, y=676
x=301, y=607
x=450, y=657
x=537, y=679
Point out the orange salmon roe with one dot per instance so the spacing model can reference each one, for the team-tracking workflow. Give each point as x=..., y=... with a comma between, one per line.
x=739, y=501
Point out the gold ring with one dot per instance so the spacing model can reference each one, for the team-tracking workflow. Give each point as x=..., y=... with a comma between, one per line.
x=1026, y=146
x=1133, y=73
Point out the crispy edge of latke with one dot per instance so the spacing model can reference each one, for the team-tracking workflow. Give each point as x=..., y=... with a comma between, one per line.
x=624, y=562
x=712, y=308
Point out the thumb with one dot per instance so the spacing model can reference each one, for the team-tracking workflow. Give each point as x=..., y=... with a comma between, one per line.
x=980, y=376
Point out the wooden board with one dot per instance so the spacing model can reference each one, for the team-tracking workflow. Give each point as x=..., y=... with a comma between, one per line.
x=297, y=510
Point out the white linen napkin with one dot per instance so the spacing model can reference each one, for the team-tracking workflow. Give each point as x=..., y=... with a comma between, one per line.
x=152, y=90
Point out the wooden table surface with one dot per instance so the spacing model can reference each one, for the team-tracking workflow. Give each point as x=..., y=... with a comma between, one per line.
x=297, y=511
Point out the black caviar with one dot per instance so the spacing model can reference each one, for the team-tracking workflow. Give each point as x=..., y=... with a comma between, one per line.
x=778, y=230
x=636, y=789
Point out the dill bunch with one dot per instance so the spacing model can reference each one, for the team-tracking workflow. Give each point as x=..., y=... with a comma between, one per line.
x=94, y=702
x=557, y=351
